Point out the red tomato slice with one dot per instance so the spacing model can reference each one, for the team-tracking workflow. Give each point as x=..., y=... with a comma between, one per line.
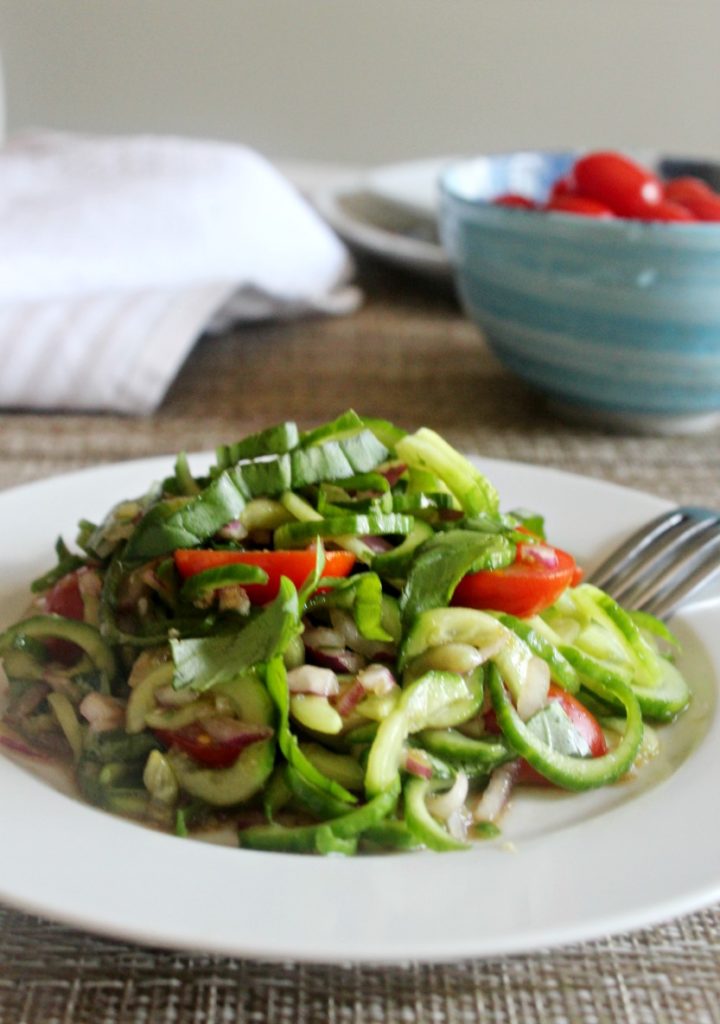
x=296, y=565
x=610, y=178
x=534, y=581
x=64, y=598
x=514, y=199
x=196, y=742
x=585, y=723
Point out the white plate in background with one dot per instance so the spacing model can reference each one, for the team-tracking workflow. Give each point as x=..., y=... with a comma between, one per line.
x=389, y=212
x=412, y=184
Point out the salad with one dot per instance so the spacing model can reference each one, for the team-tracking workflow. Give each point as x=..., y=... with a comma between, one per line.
x=333, y=641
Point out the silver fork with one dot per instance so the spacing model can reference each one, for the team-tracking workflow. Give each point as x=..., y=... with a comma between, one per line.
x=664, y=563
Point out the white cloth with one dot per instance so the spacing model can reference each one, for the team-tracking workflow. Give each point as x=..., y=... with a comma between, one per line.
x=116, y=254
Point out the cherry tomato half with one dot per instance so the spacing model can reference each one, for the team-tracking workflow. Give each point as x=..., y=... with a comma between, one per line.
x=534, y=581
x=296, y=565
x=582, y=719
x=585, y=723
x=195, y=741
x=610, y=178
x=65, y=598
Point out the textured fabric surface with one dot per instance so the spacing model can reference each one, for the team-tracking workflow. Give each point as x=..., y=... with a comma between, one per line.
x=408, y=355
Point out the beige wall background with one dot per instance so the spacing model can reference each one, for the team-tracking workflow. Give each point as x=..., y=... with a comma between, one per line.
x=366, y=81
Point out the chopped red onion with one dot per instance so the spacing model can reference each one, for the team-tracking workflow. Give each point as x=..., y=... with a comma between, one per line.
x=102, y=712
x=442, y=805
x=534, y=693
x=458, y=823
x=538, y=553
x=234, y=530
x=349, y=698
x=339, y=659
x=16, y=745
x=377, y=679
x=322, y=682
x=495, y=798
x=416, y=762
x=378, y=545
x=393, y=473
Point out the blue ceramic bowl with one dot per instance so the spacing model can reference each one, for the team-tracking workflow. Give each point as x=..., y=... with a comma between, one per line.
x=616, y=320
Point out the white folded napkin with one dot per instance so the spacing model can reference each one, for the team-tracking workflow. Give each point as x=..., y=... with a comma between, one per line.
x=116, y=254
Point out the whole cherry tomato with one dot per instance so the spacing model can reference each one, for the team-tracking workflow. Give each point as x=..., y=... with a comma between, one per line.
x=669, y=211
x=514, y=199
x=696, y=196
x=610, y=178
x=579, y=205
x=562, y=187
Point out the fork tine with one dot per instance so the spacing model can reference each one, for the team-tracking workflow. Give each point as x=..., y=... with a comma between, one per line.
x=633, y=547
x=674, y=546
x=687, y=582
x=665, y=562
x=679, y=561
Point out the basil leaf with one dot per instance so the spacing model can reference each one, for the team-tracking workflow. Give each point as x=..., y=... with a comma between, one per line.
x=443, y=561
x=203, y=662
x=186, y=523
x=276, y=682
x=552, y=727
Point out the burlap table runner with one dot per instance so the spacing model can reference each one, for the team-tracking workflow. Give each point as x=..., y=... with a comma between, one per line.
x=408, y=355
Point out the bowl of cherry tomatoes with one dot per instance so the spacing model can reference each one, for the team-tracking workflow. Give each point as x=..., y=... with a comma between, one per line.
x=595, y=277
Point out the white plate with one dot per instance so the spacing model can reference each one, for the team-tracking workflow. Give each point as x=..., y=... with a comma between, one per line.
x=390, y=213
x=412, y=184
x=579, y=866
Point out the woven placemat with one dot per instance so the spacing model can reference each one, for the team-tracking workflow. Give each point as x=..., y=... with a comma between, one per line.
x=408, y=355
x=54, y=975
